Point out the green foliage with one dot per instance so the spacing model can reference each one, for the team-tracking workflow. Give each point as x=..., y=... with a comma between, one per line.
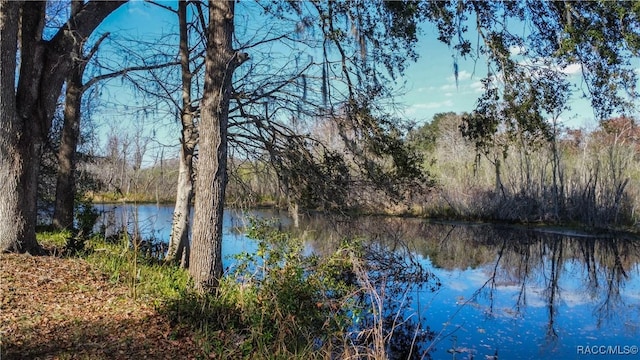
x=86, y=216
x=285, y=298
x=275, y=303
x=425, y=137
x=314, y=179
x=523, y=88
x=75, y=244
x=406, y=161
x=147, y=277
x=53, y=239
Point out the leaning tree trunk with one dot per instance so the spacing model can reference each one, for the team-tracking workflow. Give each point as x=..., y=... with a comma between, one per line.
x=179, y=239
x=220, y=63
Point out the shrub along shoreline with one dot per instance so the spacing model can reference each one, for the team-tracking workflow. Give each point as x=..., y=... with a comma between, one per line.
x=274, y=304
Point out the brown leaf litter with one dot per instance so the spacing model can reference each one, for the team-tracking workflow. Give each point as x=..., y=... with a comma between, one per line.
x=64, y=308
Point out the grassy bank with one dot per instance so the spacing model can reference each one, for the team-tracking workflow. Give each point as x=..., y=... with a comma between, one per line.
x=111, y=300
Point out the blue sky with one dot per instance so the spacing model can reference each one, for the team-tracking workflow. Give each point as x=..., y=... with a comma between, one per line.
x=431, y=88
x=427, y=88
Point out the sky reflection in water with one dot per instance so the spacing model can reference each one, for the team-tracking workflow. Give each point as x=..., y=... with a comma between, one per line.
x=524, y=294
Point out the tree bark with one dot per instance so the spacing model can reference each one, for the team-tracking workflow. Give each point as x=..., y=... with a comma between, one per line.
x=220, y=62
x=63, y=212
x=65, y=184
x=179, y=239
x=44, y=65
x=11, y=219
x=30, y=119
x=499, y=187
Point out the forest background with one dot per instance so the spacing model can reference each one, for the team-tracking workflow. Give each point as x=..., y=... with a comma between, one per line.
x=579, y=169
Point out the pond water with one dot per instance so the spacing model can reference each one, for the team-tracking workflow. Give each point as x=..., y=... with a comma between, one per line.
x=517, y=293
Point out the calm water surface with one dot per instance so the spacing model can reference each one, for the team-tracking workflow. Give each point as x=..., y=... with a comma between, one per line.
x=522, y=294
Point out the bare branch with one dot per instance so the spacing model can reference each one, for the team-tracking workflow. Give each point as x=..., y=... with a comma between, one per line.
x=95, y=47
x=168, y=8
x=124, y=71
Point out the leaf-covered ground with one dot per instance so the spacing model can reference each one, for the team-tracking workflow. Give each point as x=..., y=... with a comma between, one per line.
x=63, y=308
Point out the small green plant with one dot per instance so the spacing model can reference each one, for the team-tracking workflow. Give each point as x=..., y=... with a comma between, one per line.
x=291, y=302
x=86, y=216
x=148, y=277
x=55, y=239
x=275, y=303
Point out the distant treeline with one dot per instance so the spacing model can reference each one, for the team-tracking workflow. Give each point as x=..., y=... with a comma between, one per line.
x=574, y=176
x=589, y=178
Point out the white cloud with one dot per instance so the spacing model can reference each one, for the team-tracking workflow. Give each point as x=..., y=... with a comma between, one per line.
x=477, y=86
x=459, y=286
x=436, y=104
x=138, y=8
x=516, y=50
x=572, y=69
x=448, y=87
x=534, y=300
x=462, y=75
x=426, y=89
x=575, y=298
x=421, y=107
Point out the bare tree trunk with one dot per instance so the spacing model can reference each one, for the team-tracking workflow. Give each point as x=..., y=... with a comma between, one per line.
x=159, y=183
x=179, y=239
x=123, y=167
x=220, y=62
x=65, y=184
x=498, y=170
x=11, y=219
x=31, y=119
x=65, y=181
x=28, y=186
x=556, y=171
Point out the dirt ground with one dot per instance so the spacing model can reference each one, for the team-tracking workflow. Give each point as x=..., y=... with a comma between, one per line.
x=63, y=308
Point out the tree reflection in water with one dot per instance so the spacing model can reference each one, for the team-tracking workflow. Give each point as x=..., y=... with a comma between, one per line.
x=526, y=293
x=561, y=272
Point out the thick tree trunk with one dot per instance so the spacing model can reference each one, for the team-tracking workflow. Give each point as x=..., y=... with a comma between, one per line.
x=31, y=152
x=179, y=239
x=11, y=219
x=44, y=65
x=29, y=130
x=65, y=184
x=220, y=63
